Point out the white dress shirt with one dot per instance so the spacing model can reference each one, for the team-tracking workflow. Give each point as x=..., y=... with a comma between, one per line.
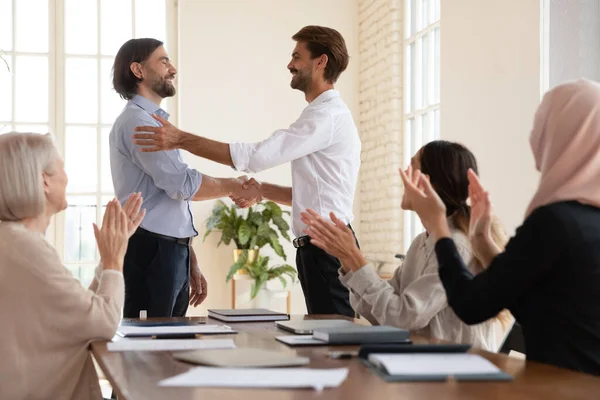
x=324, y=149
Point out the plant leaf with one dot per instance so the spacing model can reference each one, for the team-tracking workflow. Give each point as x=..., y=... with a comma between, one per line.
x=283, y=281
x=274, y=241
x=237, y=266
x=283, y=226
x=244, y=233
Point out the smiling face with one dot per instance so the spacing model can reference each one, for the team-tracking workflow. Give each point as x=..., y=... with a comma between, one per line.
x=301, y=67
x=157, y=73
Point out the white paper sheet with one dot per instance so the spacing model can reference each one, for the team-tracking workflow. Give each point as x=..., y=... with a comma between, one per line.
x=169, y=344
x=167, y=330
x=434, y=364
x=259, y=378
x=297, y=340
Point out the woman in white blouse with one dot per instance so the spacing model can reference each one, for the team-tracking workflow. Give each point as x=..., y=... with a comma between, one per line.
x=414, y=298
x=48, y=318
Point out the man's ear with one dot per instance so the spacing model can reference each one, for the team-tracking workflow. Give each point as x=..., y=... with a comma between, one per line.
x=137, y=70
x=322, y=61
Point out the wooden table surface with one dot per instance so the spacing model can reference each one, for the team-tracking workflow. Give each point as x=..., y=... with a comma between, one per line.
x=135, y=375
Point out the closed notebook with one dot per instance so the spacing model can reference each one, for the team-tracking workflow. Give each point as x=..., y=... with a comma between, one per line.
x=247, y=315
x=435, y=367
x=241, y=358
x=360, y=334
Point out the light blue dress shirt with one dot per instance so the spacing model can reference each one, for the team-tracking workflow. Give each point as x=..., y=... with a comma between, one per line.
x=167, y=184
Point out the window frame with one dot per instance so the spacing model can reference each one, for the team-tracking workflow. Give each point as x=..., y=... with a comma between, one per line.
x=415, y=135
x=57, y=60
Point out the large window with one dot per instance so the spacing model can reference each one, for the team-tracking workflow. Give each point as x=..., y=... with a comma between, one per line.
x=422, y=86
x=59, y=55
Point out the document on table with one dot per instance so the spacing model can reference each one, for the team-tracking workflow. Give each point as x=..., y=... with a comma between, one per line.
x=299, y=340
x=169, y=344
x=424, y=364
x=133, y=331
x=275, y=378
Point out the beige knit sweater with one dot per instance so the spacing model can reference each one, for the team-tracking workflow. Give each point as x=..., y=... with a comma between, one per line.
x=47, y=320
x=414, y=297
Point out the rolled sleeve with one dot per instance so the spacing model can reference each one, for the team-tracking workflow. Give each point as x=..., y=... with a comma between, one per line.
x=240, y=155
x=166, y=168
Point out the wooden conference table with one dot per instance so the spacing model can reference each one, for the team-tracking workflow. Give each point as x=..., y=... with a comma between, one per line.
x=135, y=375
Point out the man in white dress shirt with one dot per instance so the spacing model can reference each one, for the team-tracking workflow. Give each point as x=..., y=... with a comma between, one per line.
x=323, y=147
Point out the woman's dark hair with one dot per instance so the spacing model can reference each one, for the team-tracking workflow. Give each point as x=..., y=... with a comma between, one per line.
x=134, y=50
x=447, y=164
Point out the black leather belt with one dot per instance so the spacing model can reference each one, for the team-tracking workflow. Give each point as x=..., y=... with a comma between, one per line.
x=183, y=241
x=301, y=241
x=304, y=240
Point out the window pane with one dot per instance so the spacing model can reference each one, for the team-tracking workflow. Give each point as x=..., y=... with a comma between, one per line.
x=81, y=27
x=32, y=26
x=6, y=88
x=407, y=18
x=5, y=128
x=81, y=90
x=424, y=21
x=413, y=16
x=411, y=78
x=81, y=159
x=42, y=129
x=115, y=25
x=5, y=25
x=425, y=61
x=436, y=67
x=80, y=243
x=436, y=124
x=407, y=142
x=105, y=174
x=436, y=8
x=31, y=89
x=150, y=19
x=112, y=104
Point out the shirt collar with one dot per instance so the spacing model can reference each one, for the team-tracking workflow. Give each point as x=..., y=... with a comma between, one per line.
x=149, y=106
x=326, y=95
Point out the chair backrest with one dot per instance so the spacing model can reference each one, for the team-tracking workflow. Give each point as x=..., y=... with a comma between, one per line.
x=514, y=340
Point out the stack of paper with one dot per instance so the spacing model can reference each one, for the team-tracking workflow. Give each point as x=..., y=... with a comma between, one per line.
x=141, y=331
x=169, y=344
x=259, y=378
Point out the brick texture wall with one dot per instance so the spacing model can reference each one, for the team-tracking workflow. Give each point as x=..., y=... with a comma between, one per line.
x=381, y=127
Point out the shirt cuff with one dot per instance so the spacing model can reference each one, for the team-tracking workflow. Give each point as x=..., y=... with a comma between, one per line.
x=359, y=281
x=239, y=156
x=112, y=271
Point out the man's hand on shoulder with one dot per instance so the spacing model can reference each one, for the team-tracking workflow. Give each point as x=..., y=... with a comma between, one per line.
x=158, y=138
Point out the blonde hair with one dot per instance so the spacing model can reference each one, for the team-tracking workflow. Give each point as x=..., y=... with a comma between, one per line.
x=23, y=159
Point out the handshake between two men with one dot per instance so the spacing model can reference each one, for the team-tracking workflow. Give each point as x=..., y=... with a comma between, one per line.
x=248, y=194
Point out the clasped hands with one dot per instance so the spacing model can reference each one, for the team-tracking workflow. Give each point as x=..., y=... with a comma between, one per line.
x=247, y=193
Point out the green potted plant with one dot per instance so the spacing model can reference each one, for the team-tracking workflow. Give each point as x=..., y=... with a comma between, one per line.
x=261, y=272
x=249, y=229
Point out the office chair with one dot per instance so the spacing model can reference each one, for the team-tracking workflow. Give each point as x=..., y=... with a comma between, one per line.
x=514, y=340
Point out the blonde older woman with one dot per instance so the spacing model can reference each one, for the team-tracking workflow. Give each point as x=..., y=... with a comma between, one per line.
x=48, y=318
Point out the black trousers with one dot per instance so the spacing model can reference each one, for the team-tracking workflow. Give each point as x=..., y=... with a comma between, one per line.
x=318, y=275
x=157, y=277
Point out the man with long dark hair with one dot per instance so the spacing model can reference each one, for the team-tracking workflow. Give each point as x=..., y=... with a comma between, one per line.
x=160, y=264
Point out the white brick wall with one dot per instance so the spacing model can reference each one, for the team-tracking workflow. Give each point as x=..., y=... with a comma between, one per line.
x=381, y=127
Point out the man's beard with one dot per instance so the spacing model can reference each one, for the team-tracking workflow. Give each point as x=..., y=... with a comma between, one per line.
x=163, y=88
x=301, y=81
